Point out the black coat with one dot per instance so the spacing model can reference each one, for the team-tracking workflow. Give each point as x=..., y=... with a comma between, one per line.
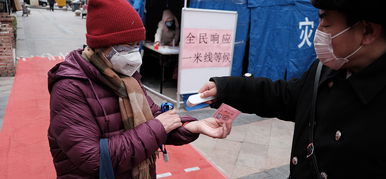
x=51, y=2
x=350, y=129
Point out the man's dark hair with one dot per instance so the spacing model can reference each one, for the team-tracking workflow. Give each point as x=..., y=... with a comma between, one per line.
x=356, y=10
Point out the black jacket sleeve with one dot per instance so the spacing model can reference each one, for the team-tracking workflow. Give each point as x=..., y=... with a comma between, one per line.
x=261, y=96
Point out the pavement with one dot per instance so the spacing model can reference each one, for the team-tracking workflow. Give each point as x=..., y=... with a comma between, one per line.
x=5, y=90
x=256, y=148
x=66, y=8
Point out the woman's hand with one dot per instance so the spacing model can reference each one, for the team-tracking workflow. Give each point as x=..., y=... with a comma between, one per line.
x=210, y=127
x=170, y=120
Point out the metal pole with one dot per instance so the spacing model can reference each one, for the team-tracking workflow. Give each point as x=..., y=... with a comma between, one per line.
x=178, y=99
x=7, y=6
x=185, y=3
x=162, y=96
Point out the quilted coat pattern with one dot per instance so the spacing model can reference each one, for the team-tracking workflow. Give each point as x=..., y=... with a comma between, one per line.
x=83, y=110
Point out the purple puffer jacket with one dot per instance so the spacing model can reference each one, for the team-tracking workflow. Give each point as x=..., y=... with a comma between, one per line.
x=83, y=110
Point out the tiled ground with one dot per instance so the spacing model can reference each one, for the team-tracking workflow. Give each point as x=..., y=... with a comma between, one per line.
x=256, y=148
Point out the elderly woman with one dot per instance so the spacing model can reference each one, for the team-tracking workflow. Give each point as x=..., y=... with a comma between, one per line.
x=96, y=94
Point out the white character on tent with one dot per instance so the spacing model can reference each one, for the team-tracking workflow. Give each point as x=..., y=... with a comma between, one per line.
x=306, y=32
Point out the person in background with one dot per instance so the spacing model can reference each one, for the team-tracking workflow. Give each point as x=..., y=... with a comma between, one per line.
x=97, y=93
x=338, y=105
x=51, y=3
x=168, y=31
x=84, y=10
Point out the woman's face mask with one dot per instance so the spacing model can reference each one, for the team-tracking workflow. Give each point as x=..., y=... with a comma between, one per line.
x=170, y=24
x=324, y=50
x=126, y=60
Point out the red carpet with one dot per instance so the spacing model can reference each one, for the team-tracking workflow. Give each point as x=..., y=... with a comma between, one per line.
x=24, y=151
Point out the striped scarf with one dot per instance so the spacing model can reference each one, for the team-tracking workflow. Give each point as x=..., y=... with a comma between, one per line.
x=133, y=104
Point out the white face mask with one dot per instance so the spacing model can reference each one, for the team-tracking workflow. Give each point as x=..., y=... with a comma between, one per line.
x=126, y=63
x=325, y=52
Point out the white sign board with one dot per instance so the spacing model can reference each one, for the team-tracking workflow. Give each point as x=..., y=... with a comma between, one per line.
x=206, y=47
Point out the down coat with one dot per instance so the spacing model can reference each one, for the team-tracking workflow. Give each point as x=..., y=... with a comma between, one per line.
x=83, y=110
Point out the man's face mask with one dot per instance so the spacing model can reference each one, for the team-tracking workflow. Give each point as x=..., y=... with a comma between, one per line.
x=170, y=24
x=126, y=60
x=324, y=50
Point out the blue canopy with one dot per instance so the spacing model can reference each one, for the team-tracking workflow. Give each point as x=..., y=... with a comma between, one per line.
x=280, y=35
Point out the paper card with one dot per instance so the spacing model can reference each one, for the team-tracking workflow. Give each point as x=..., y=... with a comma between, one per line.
x=226, y=113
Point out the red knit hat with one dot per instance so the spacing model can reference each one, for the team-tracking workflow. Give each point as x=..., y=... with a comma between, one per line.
x=112, y=22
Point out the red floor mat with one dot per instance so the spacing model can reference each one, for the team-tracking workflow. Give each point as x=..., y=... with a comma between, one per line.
x=24, y=151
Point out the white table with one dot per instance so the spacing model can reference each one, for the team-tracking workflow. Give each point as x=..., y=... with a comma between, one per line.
x=163, y=53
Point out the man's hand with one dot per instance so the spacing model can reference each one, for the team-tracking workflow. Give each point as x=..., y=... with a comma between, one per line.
x=210, y=127
x=209, y=89
x=170, y=120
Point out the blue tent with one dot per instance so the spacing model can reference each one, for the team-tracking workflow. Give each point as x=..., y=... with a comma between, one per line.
x=139, y=6
x=280, y=35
